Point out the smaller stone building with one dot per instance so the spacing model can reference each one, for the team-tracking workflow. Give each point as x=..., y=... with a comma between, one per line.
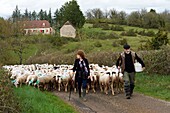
x=67, y=30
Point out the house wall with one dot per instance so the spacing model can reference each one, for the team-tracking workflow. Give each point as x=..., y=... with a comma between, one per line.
x=38, y=31
x=68, y=31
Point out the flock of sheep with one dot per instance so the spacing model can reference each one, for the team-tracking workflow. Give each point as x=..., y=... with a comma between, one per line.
x=61, y=77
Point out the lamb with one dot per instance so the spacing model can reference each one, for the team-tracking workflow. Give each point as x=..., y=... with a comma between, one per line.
x=20, y=80
x=104, y=81
x=92, y=81
x=31, y=79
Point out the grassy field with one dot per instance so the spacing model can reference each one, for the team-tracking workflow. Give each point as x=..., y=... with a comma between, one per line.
x=35, y=101
x=157, y=86
x=89, y=45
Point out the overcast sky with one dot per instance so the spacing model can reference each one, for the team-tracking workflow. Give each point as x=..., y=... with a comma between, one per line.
x=8, y=6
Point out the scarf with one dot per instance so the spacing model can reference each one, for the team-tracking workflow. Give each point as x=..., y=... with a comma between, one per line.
x=83, y=66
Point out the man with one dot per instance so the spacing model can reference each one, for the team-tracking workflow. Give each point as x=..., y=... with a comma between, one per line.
x=126, y=63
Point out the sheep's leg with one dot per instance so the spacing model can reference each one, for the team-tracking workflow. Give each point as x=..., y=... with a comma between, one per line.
x=112, y=88
x=101, y=89
x=66, y=87
x=106, y=87
x=58, y=86
x=93, y=88
x=88, y=87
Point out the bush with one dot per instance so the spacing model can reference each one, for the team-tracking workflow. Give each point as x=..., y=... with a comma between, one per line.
x=157, y=61
x=148, y=33
x=130, y=32
x=112, y=36
x=151, y=59
x=123, y=41
x=8, y=102
x=117, y=28
x=104, y=26
x=160, y=39
x=115, y=44
x=59, y=41
x=99, y=35
x=97, y=44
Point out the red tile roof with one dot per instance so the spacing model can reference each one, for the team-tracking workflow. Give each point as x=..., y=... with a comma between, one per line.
x=36, y=24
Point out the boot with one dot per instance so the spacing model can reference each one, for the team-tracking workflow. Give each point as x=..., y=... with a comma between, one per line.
x=79, y=93
x=127, y=89
x=131, y=89
x=84, y=94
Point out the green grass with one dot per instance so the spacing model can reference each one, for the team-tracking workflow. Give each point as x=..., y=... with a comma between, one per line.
x=157, y=86
x=35, y=101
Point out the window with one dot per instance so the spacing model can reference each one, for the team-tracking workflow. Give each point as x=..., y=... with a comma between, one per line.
x=43, y=24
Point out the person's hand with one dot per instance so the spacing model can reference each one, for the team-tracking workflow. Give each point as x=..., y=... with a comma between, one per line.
x=143, y=68
x=88, y=77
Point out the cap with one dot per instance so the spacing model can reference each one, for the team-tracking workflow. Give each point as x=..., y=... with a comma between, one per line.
x=126, y=46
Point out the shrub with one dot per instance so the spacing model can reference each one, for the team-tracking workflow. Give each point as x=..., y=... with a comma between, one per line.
x=104, y=26
x=112, y=36
x=8, y=102
x=130, y=32
x=157, y=61
x=160, y=39
x=123, y=41
x=98, y=44
x=117, y=28
x=115, y=44
x=147, y=33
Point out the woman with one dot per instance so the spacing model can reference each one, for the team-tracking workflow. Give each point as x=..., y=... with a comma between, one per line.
x=81, y=67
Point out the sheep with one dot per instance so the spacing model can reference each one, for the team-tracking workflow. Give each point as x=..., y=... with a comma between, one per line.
x=20, y=80
x=104, y=81
x=92, y=81
x=31, y=79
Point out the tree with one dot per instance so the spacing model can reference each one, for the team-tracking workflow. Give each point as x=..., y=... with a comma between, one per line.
x=41, y=15
x=97, y=13
x=122, y=18
x=45, y=15
x=89, y=15
x=134, y=19
x=151, y=20
x=30, y=15
x=70, y=11
x=18, y=46
x=5, y=29
x=50, y=18
x=16, y=15
x=159, y=40
x=26, y=16
x=113, y=14
x=34, y=15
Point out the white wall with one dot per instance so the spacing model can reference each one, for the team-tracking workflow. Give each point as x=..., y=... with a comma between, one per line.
x=68, y=31
x=38, y=30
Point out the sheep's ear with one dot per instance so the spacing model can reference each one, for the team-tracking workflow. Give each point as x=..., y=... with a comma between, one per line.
x=54, y=77
x=113, y=73
x=58, y=76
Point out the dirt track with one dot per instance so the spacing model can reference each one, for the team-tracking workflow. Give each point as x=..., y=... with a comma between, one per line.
x=101, y=103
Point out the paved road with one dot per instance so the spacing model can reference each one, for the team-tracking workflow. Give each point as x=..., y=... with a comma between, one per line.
x=101, y=103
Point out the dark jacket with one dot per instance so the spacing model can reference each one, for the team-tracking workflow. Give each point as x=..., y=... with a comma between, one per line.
x=77, y=67
x=126, y=61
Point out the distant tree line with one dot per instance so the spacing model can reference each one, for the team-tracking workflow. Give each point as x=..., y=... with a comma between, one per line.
x=70, y=11
x=142, y=18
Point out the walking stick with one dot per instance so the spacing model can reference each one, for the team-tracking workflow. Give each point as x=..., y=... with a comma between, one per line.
x=70, y=83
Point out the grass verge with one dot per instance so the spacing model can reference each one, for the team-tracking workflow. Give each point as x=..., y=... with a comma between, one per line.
x=157, y=86
x=35, y=101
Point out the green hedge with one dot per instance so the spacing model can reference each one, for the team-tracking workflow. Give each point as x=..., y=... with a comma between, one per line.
x=156, y=61
x=8, y=102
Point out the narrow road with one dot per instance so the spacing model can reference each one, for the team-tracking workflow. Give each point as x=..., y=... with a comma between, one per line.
x=102, y=103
